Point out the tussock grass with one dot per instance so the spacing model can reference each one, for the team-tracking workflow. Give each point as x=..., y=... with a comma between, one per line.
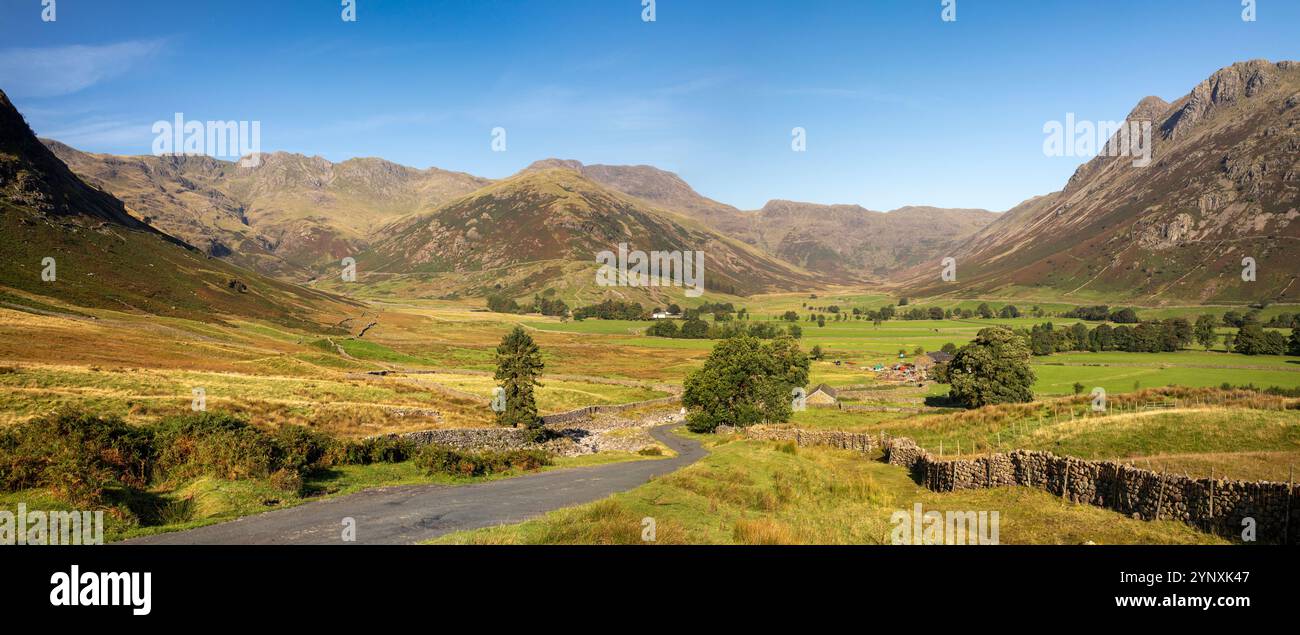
x=751, y=492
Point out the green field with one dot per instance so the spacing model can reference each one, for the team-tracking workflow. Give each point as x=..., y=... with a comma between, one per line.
x=861, y=343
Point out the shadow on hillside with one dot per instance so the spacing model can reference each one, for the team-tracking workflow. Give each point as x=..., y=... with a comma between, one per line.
x=940, y=401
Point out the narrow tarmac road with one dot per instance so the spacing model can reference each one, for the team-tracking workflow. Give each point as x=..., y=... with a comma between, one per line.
x=414, y=513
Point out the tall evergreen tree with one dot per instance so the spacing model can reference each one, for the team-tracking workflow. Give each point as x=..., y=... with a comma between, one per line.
x=519, y=364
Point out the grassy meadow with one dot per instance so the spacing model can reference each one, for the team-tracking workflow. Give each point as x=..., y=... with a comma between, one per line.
x=753, y=492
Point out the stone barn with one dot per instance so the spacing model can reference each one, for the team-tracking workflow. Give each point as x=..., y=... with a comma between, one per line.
x=823, y=395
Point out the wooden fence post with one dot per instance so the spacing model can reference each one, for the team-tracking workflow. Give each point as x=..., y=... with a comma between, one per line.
x=1065, y=488
x=1116, y=486
x=1286, y=523
x=1160, y=499
x=1210, y=521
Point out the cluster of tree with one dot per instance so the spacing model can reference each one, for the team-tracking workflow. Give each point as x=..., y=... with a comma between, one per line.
x=550, y=306
x=698, y=329
x=1284, y=321
x=544, y=304
x=743, y=382
x=1102, y=313
x=992, y=369
x=984, y=311
x=1156, y=336
x=1252, y=339
x=502, y=304
x=1145, y=337
x=612, y=310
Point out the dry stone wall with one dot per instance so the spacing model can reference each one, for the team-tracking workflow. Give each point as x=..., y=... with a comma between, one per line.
x=830, y=438
x=1217, y=506
x=584, y=413
x=566, y=440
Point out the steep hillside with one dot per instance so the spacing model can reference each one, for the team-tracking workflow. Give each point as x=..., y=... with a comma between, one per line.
x=290, y=215
x=557, y=214
x=1224, y=185
x=104, y=257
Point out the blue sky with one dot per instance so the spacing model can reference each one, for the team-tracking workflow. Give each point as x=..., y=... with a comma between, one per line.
x=900, y=107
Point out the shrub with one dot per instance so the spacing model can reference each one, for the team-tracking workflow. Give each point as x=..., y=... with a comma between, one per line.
x=438, y=459
x=77, y=456
x=287, y=480
x=302, y=448
x=217, y=444
x=386, y=449
x=653, y=450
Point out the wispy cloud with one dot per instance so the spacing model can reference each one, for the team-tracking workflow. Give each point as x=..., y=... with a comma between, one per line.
x=129, y=136
x=63, y=70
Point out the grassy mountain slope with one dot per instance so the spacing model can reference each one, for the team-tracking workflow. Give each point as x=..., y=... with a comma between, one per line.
x=557, y=214
x=1224, y=185
x=105, y=257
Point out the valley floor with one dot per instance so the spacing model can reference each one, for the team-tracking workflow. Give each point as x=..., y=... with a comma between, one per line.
x=144, y=368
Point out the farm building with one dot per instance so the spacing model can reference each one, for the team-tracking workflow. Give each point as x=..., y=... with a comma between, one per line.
x=940, y=357
x=823, y=395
